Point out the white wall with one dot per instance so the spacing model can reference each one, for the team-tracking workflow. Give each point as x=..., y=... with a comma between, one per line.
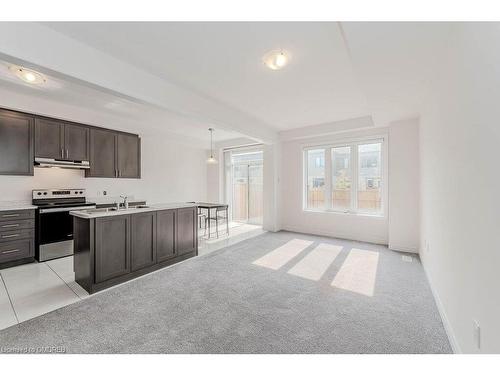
x=171, y=171
x=460, y=178
x=404, y=186
x=294, y=218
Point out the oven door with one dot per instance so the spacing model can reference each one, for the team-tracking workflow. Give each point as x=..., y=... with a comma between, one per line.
x=55, y=232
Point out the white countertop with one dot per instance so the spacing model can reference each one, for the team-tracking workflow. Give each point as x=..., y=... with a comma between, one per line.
x=16, y=205
x=111, y=200
x=92, y=214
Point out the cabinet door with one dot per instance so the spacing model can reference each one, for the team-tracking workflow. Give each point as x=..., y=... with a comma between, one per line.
x=128, y=156
x=112, y=247
x=49, y=139
x=102, y=153
x=186, y=230
x=165, y=235
x=16, y=143
x=76, y=142
x=143, y=240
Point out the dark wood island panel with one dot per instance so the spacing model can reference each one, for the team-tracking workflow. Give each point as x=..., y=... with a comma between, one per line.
x=112, y=249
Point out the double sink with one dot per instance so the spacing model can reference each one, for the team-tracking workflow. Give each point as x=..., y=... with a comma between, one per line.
x=112, y=209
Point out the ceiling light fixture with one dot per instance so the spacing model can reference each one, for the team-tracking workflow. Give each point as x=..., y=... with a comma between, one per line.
x=211, y=159
x=276, y=60
x=27, y=75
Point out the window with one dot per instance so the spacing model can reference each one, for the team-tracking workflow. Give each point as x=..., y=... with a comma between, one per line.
x=315, y=190
x=349, y=180
x=341, y=178
x=369, y=176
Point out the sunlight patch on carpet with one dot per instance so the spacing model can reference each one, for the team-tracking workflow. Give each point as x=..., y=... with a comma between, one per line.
x=283, y=254
x=315, y=264
x=358, y=272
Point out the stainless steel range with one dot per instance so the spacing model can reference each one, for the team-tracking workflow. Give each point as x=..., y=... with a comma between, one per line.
x=54, y=225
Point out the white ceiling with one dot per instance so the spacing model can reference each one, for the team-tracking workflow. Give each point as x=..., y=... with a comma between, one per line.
x=223, y=61
x=195, y=75
x=65, y=91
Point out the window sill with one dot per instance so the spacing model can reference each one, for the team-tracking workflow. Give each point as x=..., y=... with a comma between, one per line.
x=362, y=214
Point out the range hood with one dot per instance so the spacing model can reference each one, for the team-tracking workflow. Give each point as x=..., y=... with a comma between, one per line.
x=51, y=163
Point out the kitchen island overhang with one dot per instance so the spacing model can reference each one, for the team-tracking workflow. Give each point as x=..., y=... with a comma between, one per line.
x=112, y=247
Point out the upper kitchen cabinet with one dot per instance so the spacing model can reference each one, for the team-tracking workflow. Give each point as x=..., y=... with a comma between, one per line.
x=49, y=141
x=102, y=154
x=128, y=156
x=58, y=140
x=16, y=143
x=114, y=154
x=77, y=142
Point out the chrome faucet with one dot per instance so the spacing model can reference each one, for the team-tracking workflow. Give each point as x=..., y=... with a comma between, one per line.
x=125, y=201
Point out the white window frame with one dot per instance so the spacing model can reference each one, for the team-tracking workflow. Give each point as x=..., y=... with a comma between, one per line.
x=353, y=144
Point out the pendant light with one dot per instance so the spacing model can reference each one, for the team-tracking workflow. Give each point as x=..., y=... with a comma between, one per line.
x=211, y=159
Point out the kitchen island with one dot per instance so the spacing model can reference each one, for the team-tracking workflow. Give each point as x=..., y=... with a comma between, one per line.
x=112, y=246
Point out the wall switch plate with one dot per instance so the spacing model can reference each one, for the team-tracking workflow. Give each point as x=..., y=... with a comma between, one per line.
x=477, y=333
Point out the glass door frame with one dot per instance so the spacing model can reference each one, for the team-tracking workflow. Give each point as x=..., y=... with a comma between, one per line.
x=228, y=169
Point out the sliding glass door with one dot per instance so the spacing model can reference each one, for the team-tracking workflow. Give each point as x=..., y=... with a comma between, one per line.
x=245, y=180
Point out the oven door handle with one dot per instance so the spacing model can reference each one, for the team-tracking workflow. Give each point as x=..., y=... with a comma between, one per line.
x=65, y=209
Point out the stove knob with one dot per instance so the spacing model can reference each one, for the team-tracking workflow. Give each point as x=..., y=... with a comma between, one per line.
x=45, y=193
x=39, y=193
x=81, y=192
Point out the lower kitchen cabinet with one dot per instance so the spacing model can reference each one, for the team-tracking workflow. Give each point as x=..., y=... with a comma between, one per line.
x=187, y=238
x=17, y=237
x=143, y=247
x=165, y=234
x=112, y=247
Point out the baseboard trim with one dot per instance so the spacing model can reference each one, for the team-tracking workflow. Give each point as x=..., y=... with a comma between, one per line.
x=404, y=249
x=343, y=236
x=446, y=323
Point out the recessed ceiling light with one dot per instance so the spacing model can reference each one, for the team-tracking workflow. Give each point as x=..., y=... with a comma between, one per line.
x=276, y=59
x=27, y=75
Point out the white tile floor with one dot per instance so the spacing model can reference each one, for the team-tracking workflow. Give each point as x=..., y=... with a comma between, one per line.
x=237, y=232
x=35, y=289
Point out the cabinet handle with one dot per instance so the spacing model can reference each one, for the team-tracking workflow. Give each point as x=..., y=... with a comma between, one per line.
x=67, y=154
x=10, y=215
x=10, y=251
x=10, y=235
x=10, y=225
x=62, y=152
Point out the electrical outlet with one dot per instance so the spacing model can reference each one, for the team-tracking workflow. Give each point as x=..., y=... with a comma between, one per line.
x=477, y=333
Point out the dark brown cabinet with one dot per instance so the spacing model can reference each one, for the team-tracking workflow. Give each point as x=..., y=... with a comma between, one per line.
x=24, y=137
x=165, y=234
x=114, y=154
x=102, y=154
x=77, y=142
x=186, y=230
x=16, y=143
x=128, y=155
x=143, y=247
x=49, y=142
x=112, y=247
x=58, y=140
x=17, y=235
